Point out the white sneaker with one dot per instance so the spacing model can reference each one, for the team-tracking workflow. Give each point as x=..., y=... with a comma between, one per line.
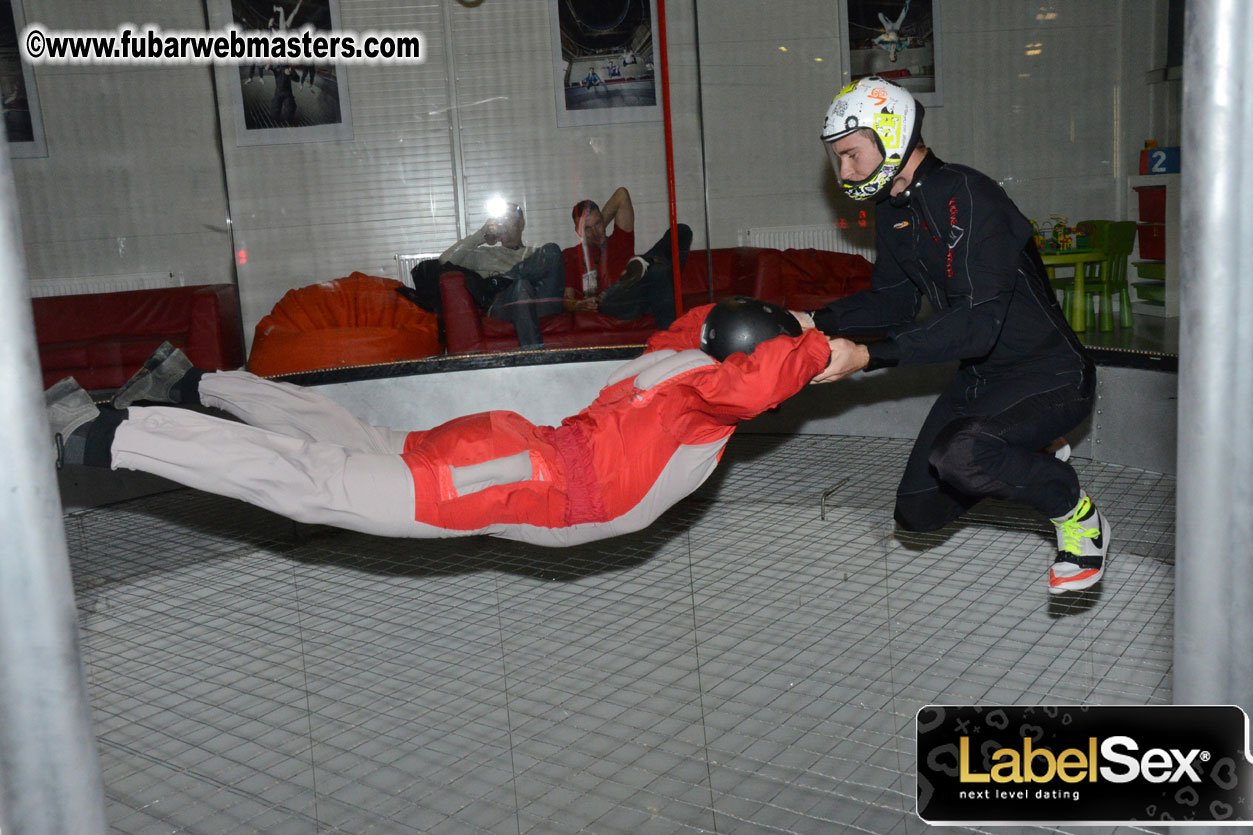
x=1082, y=543
x=633, y=272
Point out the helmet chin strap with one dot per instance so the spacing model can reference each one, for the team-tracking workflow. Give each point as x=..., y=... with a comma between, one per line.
x=901, y=198
x=885, y=194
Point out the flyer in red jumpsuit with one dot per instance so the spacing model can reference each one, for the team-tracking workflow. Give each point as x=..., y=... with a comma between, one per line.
x=652, y=436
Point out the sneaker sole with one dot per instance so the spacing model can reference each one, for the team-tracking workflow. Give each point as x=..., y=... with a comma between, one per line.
x=629, y=282
x=60, y=390
x=1079, y=582
x=68, y=406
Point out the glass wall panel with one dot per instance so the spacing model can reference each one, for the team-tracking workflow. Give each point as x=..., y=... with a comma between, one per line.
x=1052, y=101
x=298, y=189
x=311, y=201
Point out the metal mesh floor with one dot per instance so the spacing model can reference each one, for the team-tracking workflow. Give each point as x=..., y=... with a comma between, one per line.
x=743, y=666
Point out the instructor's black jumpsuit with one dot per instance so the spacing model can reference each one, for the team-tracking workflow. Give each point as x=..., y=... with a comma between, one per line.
x=1024, y=378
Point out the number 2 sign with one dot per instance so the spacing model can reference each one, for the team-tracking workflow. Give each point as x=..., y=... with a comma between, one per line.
x=1159, y=161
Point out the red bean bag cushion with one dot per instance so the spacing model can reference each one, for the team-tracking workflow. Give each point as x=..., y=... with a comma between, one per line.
x=356, y=320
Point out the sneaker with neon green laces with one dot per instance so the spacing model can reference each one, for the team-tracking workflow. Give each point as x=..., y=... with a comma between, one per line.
x=1082, y=543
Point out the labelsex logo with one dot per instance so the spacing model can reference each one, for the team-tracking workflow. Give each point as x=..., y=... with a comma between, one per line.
x=1072, y=765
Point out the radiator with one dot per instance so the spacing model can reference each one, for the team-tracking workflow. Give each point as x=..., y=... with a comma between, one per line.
x=40, y=287
x=406, y=263
x=855, y=241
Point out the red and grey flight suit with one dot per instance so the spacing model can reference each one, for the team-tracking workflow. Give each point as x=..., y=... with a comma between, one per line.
x=651, y=437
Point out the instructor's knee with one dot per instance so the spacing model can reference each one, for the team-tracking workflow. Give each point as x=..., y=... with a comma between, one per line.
x=960, y=454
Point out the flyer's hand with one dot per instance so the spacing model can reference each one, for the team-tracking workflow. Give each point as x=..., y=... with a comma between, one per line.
x=846, y=357
x=805, y=319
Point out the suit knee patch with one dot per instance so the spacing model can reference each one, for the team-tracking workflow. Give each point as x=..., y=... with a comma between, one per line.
x=954, y=444
x=968, y=457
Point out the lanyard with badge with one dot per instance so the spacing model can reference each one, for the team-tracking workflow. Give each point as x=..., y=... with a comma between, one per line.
x=591, y=276
x=590, y=284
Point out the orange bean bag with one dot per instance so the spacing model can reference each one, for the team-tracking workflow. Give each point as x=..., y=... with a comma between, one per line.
x=356, y=320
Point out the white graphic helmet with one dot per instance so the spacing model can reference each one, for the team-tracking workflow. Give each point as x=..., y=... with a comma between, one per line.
x=894, y=116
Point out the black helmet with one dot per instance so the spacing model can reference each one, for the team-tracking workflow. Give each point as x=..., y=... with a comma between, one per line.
x=740, y=324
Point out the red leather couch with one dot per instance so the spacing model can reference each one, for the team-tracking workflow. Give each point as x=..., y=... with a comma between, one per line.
x=749, y=271
x=812, y=277
x=737, y=271
x=101, y=339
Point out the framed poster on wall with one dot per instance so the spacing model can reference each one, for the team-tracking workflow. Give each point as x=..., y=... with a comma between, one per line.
x=276, y=102
x=23, y=124
x=605, y=64
x=895, y=39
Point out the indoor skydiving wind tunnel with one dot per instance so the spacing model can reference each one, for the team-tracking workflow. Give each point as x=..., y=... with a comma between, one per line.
x=753, y=658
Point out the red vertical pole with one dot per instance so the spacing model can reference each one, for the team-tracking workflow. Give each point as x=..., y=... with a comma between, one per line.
x=669, y=142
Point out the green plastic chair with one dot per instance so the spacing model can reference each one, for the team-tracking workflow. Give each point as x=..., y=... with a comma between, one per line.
x=1118, y=238
x=1096, y=233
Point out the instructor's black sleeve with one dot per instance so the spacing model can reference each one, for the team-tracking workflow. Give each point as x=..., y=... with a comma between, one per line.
x=891, y=301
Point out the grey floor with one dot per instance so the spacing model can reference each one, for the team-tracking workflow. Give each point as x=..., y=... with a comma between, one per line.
x=1147, y=335
x=750, y=664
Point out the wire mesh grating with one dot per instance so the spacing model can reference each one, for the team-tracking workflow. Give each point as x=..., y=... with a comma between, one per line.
x=742, y=666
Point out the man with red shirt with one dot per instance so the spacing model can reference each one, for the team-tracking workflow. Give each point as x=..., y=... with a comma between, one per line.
x=601, y=273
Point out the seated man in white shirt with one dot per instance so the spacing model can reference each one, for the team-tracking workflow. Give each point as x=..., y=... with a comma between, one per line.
x=515, y=282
